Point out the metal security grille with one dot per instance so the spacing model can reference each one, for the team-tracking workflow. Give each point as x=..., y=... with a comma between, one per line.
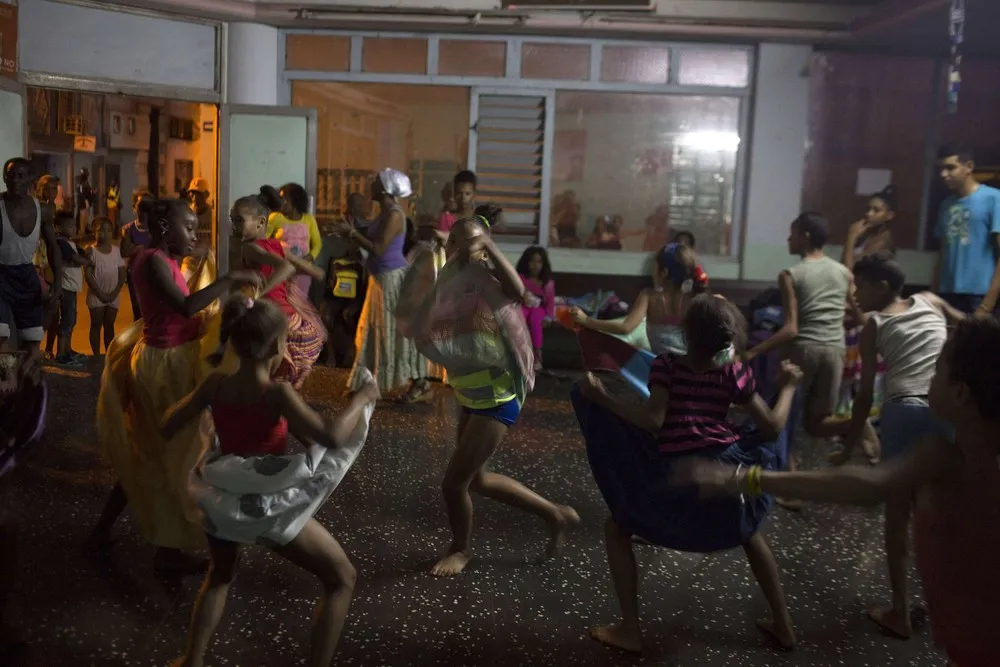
x=510, y=141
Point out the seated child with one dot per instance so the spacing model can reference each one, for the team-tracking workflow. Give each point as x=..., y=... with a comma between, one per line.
x=253, y=416
x=632, y=449
x=540, y=295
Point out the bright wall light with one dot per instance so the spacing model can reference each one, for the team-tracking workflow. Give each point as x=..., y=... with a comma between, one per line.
x=709, y=141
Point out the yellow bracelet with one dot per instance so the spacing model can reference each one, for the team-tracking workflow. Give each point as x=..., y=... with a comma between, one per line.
x=753, y=481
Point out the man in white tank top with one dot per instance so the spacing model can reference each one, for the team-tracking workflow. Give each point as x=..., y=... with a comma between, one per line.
x=908, y=334
x=22, y=222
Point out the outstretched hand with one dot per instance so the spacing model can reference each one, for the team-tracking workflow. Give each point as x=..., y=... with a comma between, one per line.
x=790, y=375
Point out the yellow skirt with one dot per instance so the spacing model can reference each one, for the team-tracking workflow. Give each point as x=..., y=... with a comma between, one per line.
x=139, y=385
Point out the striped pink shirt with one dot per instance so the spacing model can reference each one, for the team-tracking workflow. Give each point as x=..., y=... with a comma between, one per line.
x=699, y=402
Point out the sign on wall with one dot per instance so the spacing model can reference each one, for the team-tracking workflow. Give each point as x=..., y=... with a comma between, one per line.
x=8, y=39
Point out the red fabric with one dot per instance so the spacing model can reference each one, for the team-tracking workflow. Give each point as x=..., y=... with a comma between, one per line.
x=957, y=542
x=163, y=327
x=279, y=294
x=249, y=430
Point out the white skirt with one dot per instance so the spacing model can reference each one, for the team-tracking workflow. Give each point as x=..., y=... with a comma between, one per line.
x=267, y=500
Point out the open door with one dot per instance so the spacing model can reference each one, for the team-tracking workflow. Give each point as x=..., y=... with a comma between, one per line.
x=261, y=145
x=13, y=111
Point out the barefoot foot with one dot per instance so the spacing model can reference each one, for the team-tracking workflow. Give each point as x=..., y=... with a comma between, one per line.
x=891, y=622
x=782, y=635
x=566, y=519
x=619, y=637
x=451, y=564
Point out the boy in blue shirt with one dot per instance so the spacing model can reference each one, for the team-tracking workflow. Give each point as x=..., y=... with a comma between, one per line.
x=967, y=274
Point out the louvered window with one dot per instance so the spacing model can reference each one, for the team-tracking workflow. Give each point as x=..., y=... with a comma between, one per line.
x=507, y=156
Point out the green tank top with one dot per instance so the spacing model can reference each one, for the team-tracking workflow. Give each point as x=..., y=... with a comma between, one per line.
x=821, y=291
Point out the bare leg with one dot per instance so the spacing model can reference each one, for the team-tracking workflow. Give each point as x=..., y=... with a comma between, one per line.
x=211, y=600
x=316, y=551
x=110, y=315
x=100, y=537
x=765, y=570
x=895, y=620
x=96, y=322
x=478, y=438
x=625, y=578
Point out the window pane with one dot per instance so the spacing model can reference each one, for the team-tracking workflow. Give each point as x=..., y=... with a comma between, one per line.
x=468, y=58
x=635, y=64
x=320, y=53
x=555, y=61
x=394, y=56
x=867, y=112
x=714, y=67
x=364, y=127
x=648, y=165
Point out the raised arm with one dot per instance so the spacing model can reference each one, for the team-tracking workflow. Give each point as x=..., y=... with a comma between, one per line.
x=504, y=271
x=161, y=278
x=951, y=314
x=283, y=271
x=636, y=314
x=772, y=420
x=790, y=329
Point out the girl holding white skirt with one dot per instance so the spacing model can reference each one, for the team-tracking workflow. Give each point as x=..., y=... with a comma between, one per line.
x=251, y=491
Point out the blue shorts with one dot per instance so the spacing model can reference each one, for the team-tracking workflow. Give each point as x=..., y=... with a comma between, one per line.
x=505, y=413
x=904, y=421
x=21, y=291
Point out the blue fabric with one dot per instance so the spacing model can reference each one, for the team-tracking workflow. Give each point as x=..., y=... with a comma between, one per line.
x=965, y=228
x=636, y=371
x=505, y=413
x=903, y=422
x=634, y=478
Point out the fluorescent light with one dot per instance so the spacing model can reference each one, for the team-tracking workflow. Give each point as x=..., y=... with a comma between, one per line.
x=709, y=141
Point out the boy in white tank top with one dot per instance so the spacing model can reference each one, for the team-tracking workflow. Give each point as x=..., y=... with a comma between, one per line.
x=23, y=222
x=908, y=334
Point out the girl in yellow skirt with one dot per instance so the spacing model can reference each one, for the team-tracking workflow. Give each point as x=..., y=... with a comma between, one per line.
x=149, y=367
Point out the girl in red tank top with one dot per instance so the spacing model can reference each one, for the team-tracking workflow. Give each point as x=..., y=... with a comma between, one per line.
x=956, y=486
x=306, y=333
x=251, y=491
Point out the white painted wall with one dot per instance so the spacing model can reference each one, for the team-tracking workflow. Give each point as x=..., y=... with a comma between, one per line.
x=252, y=75
x=91, y=43
x=778, y=148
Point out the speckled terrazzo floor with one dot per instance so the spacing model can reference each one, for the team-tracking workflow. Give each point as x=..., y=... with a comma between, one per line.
x=506, y=610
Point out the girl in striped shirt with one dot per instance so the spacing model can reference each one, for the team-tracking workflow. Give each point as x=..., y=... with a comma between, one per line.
x=632, y=448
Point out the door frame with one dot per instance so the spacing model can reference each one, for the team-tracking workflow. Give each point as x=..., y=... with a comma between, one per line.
x=14, y=86
x=548, y=140
x=226, y=111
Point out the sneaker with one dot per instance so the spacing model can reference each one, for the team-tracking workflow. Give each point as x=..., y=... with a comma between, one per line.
x=77, y=355
x=69, y=362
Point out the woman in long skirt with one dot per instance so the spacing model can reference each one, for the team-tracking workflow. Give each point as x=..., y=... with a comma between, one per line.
x=392, y=358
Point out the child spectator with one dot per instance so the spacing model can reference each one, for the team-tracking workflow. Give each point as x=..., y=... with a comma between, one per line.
x=105, y=279
x=465, y=194
x=449, y=206
x=814, y=296
x=72, y=281
x=341, y=306
x=539, y=295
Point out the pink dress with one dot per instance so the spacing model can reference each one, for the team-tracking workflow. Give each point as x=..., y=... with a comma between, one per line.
x=447, y=221
x=295, y=237
x=542, y=307
x=106, y=267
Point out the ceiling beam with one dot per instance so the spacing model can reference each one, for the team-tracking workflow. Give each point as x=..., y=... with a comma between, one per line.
x=892, y=12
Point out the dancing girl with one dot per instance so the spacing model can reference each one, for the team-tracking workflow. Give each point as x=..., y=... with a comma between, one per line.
x=306, y=334
x=252, y=491
x=633, y=448
x=468, y=318
x=148, y=369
